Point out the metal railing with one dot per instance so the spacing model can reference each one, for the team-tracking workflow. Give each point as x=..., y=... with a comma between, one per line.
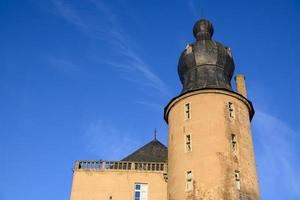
x=119, y=165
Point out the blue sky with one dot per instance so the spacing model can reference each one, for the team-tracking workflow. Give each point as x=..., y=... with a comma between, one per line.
x=89, y=80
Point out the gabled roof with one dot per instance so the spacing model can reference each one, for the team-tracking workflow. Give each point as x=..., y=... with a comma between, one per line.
x=154, y=151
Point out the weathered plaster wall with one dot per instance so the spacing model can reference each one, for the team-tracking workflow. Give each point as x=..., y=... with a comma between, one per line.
x=211, y=160
x=99, y=185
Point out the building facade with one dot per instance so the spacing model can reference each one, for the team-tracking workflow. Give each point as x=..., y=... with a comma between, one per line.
x=210, y=150
x=140, y=176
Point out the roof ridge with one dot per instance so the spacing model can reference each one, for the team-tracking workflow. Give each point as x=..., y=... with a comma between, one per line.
x=153, y=151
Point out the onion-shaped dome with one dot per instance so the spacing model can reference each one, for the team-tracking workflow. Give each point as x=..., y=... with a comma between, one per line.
x=205, y=63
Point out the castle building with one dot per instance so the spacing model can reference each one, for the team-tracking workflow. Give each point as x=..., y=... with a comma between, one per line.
x=210, y=152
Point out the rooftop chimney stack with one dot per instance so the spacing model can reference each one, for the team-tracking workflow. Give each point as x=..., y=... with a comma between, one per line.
x=241, y=85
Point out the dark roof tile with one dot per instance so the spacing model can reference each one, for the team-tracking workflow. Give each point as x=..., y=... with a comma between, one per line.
x=154, y=151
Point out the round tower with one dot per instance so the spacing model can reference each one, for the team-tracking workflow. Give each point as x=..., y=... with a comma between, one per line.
x=210, y=149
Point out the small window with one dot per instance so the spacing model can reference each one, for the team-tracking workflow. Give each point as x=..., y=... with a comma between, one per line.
x=237, y=180
x=110, y=198
x=231, y=110
x=187, y=111
x=189, y=181
x=188, y=143
x=140, y=191
x=233, y=143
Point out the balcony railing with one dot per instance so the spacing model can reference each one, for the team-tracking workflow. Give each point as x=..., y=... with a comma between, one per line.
x=120, y=165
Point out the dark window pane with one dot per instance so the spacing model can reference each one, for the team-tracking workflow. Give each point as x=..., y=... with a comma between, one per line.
x=137, y=194
x=137, y=187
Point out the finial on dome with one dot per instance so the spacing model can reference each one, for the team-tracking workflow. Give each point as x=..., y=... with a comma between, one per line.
x=203, y=30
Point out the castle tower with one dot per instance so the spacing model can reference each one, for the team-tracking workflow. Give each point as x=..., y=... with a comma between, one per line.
x=210, y=149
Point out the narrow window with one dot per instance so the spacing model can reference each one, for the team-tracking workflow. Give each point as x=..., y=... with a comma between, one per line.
x=233, y=143
x=237, y=180
x=140, y=191
x=110, y=198
x=187, y=111
x=189, y=181
x=231, y=110
x=188, y=143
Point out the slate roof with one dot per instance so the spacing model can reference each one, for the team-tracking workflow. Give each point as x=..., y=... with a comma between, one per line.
x=154, y=151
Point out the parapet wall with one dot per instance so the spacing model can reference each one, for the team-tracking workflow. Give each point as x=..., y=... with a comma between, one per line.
x=120, y=165
x=94, y=180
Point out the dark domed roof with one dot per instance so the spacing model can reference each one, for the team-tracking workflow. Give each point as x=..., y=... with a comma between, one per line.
x=154, y=151
x=205, y=63
x=203, y=28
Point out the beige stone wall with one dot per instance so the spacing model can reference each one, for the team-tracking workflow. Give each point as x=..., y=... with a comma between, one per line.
x=241, y=85
x=100, y=184
x=212, y=160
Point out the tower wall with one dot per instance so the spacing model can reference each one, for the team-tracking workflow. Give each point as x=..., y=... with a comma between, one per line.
x=212, y=160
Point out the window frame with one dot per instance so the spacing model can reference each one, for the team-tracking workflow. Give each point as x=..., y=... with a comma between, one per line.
x=140, y=191
x=234, y=143
x=237, y=179
x=231, y=110
x=187, y=111
x=189, y=181
x=188, y=143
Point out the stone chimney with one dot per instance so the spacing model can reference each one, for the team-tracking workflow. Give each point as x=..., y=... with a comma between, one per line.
x=241, y=85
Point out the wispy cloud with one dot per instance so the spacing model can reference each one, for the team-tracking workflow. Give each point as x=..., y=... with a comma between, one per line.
x=277, y=154
x=118, y=40
x=66, y=11
x=134, y=62
x=103, y=139
x=192, y=7
x=123, y=45
x=62, y=65
x=151, y=105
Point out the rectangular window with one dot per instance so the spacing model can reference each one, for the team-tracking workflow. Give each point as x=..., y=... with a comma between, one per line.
x=231, y=110
x=187, y=111
x=188, y=143
x=233, y=143
x=237, y=180
x=110, y=198
x=189, y=181
x=140, y=191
